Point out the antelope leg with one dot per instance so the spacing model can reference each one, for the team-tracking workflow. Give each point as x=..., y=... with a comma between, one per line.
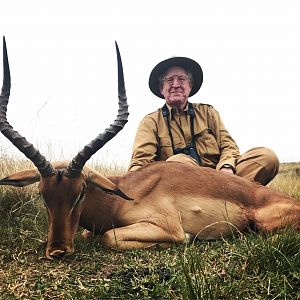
x=277, y=215
x=140, y=236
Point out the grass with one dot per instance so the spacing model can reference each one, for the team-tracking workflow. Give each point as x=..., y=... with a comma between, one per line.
x=248, y=266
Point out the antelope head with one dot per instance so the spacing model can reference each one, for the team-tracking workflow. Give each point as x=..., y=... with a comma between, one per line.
x=62, y=185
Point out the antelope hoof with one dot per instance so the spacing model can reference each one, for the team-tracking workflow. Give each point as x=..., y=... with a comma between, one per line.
x=189, y=238
x=86, y=234
x=57, y=253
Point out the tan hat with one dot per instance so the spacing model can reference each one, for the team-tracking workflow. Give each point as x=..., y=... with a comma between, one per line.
x=184, y=62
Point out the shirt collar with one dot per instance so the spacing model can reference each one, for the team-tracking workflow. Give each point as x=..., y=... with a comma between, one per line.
x=172, y=111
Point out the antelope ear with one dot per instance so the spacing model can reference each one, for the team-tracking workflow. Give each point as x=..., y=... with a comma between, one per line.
x=106, y=185
x=22, y=178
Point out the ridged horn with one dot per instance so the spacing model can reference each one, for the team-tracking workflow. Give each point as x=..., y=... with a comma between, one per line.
x=78, y=162
x=44, y=167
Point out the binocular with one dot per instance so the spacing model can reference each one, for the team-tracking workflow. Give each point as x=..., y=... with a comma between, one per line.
x=190, y=151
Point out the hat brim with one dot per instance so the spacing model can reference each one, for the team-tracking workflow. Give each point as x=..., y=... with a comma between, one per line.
x=184, y=62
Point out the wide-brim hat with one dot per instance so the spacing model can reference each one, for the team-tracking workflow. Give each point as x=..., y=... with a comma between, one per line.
x=176, y=61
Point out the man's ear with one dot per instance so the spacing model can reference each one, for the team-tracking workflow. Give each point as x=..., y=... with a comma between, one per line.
x=161, y=89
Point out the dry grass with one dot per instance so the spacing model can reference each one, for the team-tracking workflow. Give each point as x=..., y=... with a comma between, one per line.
x=288, y=179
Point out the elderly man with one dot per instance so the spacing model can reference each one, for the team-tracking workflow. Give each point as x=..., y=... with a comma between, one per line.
x=193, y=132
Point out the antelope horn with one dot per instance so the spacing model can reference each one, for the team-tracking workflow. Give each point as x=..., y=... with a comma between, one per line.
x=6, y=129
x=78, y=162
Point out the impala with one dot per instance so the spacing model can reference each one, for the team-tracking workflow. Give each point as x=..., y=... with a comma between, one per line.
x=167, y=202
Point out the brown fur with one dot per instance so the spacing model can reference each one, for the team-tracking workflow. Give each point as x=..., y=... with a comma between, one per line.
x=170, y=200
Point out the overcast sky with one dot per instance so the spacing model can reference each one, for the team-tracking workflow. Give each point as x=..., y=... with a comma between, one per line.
x=64, y=80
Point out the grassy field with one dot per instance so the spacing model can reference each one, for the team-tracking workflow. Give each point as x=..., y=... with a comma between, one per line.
x=248, y=266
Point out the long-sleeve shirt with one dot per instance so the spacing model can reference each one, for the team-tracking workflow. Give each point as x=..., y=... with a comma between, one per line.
x=213, y=142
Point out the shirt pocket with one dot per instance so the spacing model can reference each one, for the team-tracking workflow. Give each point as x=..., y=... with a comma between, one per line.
x=165, y=147
x=207, y=145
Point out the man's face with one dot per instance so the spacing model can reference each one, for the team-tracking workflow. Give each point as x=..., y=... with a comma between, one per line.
x=176, y=87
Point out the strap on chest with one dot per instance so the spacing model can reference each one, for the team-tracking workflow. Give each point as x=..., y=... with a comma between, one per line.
x=189, y=149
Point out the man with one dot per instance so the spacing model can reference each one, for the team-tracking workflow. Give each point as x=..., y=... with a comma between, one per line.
x=193, y=133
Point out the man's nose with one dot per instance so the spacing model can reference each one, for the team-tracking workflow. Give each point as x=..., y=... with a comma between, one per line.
x=175, y=82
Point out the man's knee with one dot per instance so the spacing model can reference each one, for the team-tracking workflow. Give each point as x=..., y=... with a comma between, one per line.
x=269, y=159
x=259, y=164
x=183, y=159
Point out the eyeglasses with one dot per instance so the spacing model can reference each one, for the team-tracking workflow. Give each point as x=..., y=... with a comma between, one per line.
x=181, y=79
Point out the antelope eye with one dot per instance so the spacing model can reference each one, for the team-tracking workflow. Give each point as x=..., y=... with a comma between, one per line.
x=43, y=200
x=82, y=194
x=80, y=197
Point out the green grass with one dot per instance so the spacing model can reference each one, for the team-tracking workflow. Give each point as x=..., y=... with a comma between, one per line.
x=248, y=266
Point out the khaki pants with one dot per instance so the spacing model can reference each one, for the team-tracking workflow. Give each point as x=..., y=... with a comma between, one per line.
x=257, y=164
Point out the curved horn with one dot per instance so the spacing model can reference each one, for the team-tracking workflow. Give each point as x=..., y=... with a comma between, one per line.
x=78, y=162
x=6, y=129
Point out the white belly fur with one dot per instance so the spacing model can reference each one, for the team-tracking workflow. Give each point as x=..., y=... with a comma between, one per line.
x=210, y=218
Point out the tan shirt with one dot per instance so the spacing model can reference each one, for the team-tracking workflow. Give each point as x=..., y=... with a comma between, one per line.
x=214, y=144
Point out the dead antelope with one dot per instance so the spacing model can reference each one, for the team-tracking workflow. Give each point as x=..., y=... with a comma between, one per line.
x=170, y=201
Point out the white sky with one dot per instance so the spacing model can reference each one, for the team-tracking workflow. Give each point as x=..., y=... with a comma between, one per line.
x=63, y=68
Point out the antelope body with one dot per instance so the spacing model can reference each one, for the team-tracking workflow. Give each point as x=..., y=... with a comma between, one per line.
x=166, y=201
